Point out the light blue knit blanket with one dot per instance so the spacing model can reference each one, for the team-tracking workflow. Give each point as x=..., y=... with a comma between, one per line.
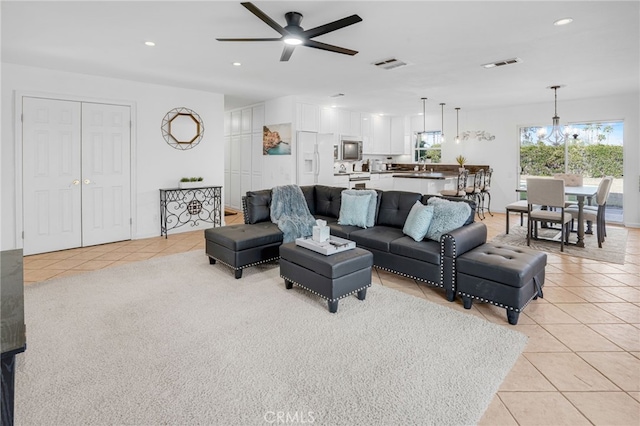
x=290, y=212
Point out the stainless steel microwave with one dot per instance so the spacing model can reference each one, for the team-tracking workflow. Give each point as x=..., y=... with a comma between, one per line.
x=351, y=148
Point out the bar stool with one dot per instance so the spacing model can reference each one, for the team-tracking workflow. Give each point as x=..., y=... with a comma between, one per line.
x=486, y=192
x=473, y=192
x=459, y=190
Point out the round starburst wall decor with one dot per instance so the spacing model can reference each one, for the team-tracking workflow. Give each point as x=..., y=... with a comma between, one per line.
x=182, y=128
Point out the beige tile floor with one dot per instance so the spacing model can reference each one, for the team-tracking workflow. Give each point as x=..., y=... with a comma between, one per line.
x=581, y=364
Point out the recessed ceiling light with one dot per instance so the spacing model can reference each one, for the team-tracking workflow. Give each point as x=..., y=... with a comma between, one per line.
x=420, y=113
x=563, y=21
x=237, y=64
x=334, y=106
x=381, y=114
x=149, y=43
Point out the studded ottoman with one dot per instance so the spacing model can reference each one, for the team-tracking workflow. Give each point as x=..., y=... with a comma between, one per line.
x=242, y=246
x=505, y=276
x=330, y=277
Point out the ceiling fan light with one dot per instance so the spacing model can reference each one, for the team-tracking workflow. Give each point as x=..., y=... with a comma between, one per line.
x=292, y=40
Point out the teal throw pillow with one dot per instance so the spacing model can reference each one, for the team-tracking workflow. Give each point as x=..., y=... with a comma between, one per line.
x=418, y=221
x=447, y=216
x=373, y=202
x=354, y=209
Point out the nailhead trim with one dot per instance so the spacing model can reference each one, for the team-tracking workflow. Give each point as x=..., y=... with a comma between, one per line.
x=245, y=266
x=411, y=276
x=511, y=308
x=453, y=263
x=318, y=294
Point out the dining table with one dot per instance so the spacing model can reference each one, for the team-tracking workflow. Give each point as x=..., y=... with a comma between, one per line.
x=581, y=193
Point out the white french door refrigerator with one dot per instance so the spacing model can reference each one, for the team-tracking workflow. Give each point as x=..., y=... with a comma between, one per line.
x=314, y=158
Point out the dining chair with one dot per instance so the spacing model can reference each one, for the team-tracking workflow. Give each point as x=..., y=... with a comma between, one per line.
x=596, y=213
x=459, y=190
x=485, y=192
x=548, y=193
x=521, y=207
x=570, y=179
x=474, y=192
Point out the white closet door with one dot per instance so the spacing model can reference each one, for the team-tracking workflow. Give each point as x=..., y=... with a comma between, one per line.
x=75, y=174
x=106, y=173
x=51, y=175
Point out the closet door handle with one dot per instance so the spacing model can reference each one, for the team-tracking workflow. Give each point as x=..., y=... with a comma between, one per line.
x=74, y=182
x=87, y=181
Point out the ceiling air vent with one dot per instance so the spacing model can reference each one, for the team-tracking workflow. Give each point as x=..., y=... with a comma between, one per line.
x=502, y=63
x=389, y=64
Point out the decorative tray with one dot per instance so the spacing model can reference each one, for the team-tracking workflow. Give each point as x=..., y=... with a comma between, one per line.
x=332, y=246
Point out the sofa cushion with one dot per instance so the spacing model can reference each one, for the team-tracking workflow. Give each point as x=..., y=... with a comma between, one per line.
x=447, y=216
x=425, y=251
x=309, y=193
x=245, y=236
x=418, y=221
x=258, y=206
x=377, y=238
x=395, y=207
x=354, y=209
x=342, y=231
x=372, y=206
x=471, y=203
x=328, y=199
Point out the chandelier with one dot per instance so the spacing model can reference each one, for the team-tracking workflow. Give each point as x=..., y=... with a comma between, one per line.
x=558, y=134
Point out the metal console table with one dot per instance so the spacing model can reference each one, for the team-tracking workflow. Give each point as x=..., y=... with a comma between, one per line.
x=181, y=206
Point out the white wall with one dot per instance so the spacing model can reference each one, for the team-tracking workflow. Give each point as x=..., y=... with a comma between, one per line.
x=155, y=163
x=503, y=152
x=280, y=169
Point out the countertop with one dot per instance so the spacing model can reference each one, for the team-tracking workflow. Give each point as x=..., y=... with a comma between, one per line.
x=422, y=175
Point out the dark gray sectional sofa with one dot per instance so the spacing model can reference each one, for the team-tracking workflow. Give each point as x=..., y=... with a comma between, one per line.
x=258, y=239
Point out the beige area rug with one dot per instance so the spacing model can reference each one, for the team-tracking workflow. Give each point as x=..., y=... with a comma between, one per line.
x=612, y=251
x=175, y=340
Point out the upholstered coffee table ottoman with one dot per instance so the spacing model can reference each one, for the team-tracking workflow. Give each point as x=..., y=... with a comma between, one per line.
x=330, y=277
x=505, y=276
x=241, y=246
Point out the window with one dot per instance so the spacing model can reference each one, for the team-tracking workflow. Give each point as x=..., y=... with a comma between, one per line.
x=593, y=150
x=427, y=146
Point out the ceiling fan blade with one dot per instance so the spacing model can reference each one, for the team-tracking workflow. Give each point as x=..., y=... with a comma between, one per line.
x=263, y=16
x=329, y=47
x=332, y=26
x=286, y=52
x=250, y=39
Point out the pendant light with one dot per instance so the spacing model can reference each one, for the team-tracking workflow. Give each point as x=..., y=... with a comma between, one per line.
x=423, y=134
x=442, y=140
x=557, y=135
x=457, y=128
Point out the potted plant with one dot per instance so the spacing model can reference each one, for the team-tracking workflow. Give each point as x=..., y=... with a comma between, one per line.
x=191, y=182
x=461, y=160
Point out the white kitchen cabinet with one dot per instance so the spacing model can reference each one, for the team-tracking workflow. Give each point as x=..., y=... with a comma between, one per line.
x=308, y=117
x=349, y=123
x=227, y=123
x=327, y=120
x=341, y=181
x=257, y=121
x=381, y=134
x=365, y=126
x=236, y=154
x=397, y=143
x=236, y=120
x=245, y=158
x=245, y=121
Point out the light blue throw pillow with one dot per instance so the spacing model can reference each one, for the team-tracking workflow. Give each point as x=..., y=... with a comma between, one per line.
x=447, y=216
x=418, y=221
x=371, y=212
x=354, y=210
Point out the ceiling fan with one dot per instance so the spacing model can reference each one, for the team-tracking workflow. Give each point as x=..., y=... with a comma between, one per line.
x=294, y=35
